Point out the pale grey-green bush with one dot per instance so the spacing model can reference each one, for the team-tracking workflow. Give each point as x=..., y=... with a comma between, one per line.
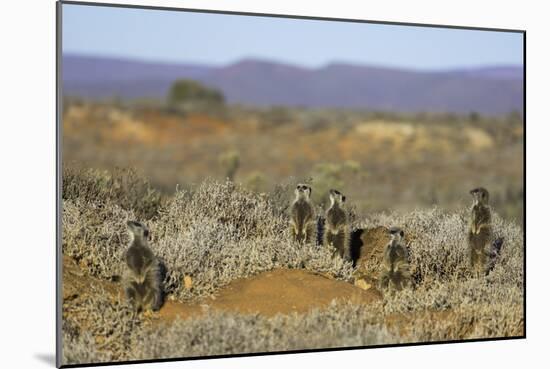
x=438, y=246
x=439, y=261
x=121, y=186
x=94, y=234
x=339, y=325
x=220, y=231
x=215, y=234
x=98, y=329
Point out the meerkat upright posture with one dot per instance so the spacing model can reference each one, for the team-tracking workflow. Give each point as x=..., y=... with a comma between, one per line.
x=142, y=283
x=395, y=264
x=480, y=231
x=302, y=215
x=336, y=232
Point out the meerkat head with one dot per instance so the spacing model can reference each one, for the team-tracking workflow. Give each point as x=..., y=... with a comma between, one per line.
x=336, y=197
x=137, y=231
x=481, y=195
x=302, y=191
x=396, y=233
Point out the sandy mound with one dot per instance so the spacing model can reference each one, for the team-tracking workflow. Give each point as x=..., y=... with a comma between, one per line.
x=280, y=291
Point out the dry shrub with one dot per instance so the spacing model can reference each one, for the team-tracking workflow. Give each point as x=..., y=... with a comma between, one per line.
x=467, y=322
x=220, y=232
x=244, y=213
x=339, y=325
x=100, y=328
x=438, y=246
x=282, y=194
x=493, y=303
x=94, y=234
x=215, y=234
x=221, y=333
x=122, y=186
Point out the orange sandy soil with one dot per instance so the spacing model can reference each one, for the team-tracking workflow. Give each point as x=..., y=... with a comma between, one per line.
x=280, y=291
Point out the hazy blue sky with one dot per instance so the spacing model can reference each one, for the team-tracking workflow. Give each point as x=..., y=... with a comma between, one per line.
x=220, y=39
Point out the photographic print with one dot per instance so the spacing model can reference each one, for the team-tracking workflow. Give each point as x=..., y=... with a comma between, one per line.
x=240, y=184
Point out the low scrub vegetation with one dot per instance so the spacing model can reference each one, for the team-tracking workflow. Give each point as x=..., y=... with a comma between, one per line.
x=217, y=232
x=380, y=160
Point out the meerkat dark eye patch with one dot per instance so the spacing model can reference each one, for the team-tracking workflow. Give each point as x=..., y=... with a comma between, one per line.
x=343, y=198
x=402, y=233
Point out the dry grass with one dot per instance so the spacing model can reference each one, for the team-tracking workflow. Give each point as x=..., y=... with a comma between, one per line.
x=121, y=186
x=438, y=246
x=341, y=325
x=215, y=234
x=220, y=231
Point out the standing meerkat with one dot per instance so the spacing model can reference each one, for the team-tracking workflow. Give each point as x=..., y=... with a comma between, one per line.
x=480, y=230
x=395, y=264
x=336, y=232
x=142, y=283
x=302, y=215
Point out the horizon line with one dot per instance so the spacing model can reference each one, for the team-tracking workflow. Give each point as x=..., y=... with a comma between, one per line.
x=127, y=58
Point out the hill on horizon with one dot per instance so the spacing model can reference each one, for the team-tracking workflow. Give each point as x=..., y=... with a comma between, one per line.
x=488, y=90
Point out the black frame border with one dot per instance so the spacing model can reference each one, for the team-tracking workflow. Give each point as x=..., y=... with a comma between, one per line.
x=58, y=157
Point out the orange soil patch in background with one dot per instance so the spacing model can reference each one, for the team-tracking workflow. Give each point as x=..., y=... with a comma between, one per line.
x=146, y=127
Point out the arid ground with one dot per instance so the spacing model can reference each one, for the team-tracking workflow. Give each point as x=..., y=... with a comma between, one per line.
x=235, y=281
x=381, y=161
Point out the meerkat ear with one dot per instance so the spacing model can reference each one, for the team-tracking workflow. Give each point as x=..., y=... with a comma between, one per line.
x=146, y=232
x=402, y=233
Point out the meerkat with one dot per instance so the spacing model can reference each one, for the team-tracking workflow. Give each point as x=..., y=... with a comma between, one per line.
x=142, y=283
x=395, y=263
x=480, y=230
x=302, y=215
x=336, y=232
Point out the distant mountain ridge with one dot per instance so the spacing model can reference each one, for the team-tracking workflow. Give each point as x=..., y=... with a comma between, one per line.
x=488, y=90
